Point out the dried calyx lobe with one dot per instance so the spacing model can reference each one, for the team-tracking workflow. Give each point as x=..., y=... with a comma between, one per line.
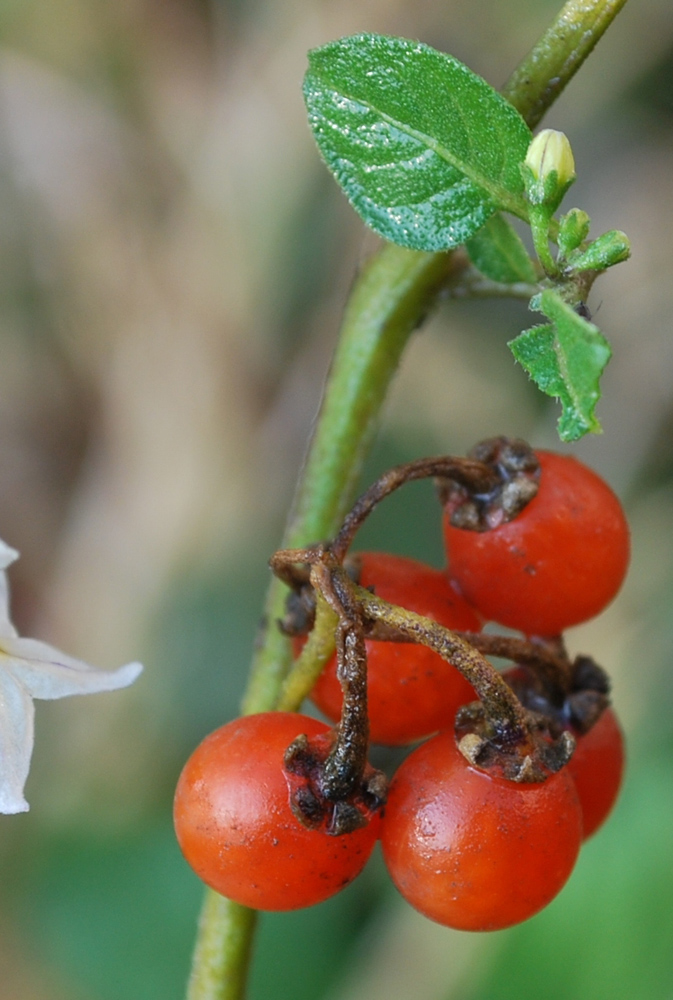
x=556, y=715
x=544, y=751
x=517, y=472
x=326, y=798
x=576, y=705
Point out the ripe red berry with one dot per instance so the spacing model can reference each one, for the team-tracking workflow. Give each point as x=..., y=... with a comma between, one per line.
x=411, y=691
x=557, y=563
x=236, y=828
x=472, y=851
x=597, y=766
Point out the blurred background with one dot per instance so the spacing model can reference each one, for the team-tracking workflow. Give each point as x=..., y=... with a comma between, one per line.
x=174, y=261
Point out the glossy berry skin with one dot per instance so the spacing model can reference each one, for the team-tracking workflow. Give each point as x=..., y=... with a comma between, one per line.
x=597, y=767
x=559, y=562
x=412, y=692
x=235, y=827
x=475, y=852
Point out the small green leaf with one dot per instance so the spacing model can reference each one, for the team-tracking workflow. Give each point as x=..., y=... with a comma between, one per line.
x=534, y=350
x=425, y=150
x=582, y=352
x=566, y=359
x=498, y=251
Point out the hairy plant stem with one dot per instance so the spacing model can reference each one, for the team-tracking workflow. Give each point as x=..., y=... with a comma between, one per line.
x=390, y=299
x=467, y=471
x=500, y=702
x=555, y=58
x=318, y=649
x=347, y=760
x=539, y=226
x=222, y=952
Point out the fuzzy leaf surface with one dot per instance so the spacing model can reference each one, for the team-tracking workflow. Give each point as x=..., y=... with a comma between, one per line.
x=566, y=359
x=499, y=253
x=425, y=150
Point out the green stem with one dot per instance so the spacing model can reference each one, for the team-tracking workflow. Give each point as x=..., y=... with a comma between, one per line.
x=539, y=227
x=319, y=647
x=222, y=952
x=389, y=300
x=553, y=61
x=479, y=287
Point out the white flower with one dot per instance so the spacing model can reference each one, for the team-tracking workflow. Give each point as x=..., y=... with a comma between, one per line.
x=31, y=669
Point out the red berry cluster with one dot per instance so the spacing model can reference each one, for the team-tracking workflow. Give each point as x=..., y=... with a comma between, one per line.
x=482, y=822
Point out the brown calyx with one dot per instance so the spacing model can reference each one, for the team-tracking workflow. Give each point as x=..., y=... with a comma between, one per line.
x=557, y=710
x=318, y=800
x=577, y=705
x=544, y=751
x=516, y=472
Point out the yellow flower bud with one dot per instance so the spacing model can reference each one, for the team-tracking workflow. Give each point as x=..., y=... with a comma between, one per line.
x=550, y=150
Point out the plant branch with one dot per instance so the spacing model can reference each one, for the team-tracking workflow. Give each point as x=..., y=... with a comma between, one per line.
x=390, y=299
x=466, y=471
x=319, y=647
x=555, y=58
x=501, y=704
x=222, y=952
x=476, y=286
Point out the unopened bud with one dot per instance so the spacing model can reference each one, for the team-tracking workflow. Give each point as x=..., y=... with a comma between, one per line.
x=549, y=168
x=550, y=150
x=573, y=230
x=610, y=248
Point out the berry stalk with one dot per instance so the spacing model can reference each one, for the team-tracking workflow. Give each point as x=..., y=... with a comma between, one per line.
x=476, y=475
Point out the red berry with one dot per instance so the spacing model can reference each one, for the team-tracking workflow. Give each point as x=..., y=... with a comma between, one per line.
x=235, y=826
x=476, y=852
x=559, y=562
x=412, y=692
x=597, y=766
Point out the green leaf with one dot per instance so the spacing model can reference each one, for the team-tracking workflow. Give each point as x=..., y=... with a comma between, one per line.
x=566, y=359
x=498, y=251
x=534, y=350
x=425, y=150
